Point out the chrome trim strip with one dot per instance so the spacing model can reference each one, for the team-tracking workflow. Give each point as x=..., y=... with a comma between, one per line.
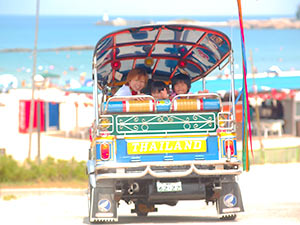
x=114, y=165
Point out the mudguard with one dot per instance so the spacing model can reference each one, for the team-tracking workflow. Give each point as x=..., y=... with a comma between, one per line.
x=103, y=207
x=230, y=200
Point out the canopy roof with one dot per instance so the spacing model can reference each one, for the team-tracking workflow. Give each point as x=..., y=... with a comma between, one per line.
x=164, y=50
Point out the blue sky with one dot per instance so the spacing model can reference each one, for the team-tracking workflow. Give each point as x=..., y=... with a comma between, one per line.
x=149, y=7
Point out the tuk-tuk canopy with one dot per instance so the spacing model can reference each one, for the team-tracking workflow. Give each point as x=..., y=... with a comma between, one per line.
x=163, y=50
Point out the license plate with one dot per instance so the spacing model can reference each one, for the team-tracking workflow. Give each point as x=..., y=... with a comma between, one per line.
x=168, y=187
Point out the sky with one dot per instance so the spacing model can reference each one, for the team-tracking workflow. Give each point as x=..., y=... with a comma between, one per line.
x=149, y=7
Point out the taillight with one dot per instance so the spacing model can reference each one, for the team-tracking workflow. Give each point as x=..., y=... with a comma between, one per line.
x=90, y=134
x=105, y=151
x=229, y=146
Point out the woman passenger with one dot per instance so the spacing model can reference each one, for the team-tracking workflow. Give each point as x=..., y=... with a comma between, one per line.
x=136, y=80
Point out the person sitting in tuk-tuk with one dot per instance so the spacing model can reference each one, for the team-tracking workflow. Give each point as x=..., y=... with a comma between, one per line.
x=136, y=80
x=181, y=84
x=159, y=90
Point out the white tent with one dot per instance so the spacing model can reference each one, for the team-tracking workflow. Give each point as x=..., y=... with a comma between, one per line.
x=8, y=81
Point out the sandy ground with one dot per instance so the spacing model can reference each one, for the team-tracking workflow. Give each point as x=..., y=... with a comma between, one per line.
x=270, y=196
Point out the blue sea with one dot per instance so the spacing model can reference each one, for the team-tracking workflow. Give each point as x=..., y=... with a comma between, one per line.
x=269, y=46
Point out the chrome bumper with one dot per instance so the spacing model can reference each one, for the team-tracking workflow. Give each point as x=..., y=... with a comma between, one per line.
x=146, y=168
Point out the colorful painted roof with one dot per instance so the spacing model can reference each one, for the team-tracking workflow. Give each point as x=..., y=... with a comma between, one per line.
x=164, y=50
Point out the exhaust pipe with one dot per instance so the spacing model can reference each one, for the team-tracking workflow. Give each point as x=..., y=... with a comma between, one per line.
x=134, y=187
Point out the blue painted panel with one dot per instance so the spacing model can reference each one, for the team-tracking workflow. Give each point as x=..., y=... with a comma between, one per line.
x=98, y=151
x=52, y=115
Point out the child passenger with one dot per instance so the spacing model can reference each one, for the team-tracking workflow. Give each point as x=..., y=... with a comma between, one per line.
x=181, y=84
x=136, y=80
x=159, y=90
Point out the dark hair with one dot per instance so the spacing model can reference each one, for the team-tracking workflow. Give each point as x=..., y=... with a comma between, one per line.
x=158, y=86
x=147, y=89
x=181, y=77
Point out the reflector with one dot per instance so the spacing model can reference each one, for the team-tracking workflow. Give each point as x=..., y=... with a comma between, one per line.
x=148, y=61
x=182, y=50
x=116, y=65
x=182, y=63
x=104, y=151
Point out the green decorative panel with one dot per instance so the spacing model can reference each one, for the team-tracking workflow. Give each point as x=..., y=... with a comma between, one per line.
x=165, y=123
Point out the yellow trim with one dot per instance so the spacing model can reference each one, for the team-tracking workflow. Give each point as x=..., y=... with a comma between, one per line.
x=225, y=134
x=104, y=138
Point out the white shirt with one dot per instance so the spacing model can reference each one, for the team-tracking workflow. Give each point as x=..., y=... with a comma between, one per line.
x=124, y=91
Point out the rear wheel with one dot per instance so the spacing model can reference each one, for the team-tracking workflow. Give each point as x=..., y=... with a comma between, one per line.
x=143, y=208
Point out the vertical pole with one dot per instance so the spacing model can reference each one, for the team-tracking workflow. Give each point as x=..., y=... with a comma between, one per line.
x=293, y=119
x=31, y=115
x=95, y=92
x=77, y=118
x=232, y=88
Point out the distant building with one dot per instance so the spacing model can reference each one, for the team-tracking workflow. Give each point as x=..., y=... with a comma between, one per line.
x=105, y=17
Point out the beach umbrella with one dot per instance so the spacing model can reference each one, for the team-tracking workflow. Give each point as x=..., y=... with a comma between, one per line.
x=38, y=80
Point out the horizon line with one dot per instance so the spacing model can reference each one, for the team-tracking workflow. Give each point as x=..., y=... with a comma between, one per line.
x=174, y=15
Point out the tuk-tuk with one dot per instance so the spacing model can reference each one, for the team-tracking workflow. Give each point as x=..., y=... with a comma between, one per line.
x=150, y=151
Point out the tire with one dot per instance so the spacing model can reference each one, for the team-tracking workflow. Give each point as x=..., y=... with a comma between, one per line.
x=142, y=208
x=140, y=214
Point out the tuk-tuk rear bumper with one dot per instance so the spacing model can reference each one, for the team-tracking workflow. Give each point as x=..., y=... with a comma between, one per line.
x=166, y=169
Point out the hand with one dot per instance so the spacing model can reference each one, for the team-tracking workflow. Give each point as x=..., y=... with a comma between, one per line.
x=141, y=98
x=204, y=91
